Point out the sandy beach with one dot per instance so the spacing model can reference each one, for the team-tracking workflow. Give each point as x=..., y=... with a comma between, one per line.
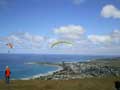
x=46, y=74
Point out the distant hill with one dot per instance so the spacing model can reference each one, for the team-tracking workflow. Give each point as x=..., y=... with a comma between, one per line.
x=107, y=59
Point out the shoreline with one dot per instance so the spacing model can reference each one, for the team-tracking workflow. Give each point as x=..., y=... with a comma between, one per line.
x=79, y=70
x=45, y=74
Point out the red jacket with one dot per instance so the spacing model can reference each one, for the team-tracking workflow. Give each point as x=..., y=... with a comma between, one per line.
x=7, y=72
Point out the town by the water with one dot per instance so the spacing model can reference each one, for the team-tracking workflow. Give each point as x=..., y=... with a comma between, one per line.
x=106, y=67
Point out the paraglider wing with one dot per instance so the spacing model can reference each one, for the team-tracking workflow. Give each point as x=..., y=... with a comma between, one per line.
x=10, y=45
x=60, y=42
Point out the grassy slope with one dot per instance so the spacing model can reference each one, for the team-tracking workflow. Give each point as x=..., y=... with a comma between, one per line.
x=82, y=84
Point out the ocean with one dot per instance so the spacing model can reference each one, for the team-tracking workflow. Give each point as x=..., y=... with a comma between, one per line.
x=20, y=70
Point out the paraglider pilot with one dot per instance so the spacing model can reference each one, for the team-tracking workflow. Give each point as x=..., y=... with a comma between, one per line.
x=7, y=75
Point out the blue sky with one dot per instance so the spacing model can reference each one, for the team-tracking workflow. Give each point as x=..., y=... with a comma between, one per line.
x=42, y=17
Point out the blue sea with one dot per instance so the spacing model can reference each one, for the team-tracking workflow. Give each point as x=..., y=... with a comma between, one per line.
x=19, y=68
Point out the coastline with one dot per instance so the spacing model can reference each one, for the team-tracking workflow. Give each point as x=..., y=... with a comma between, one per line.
x=79, y=70
x=45, y=74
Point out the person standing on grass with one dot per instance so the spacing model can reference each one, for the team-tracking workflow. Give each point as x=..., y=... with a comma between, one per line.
x=7, y=75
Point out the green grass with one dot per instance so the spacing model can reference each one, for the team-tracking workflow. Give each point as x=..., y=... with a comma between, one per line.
x=82, y=84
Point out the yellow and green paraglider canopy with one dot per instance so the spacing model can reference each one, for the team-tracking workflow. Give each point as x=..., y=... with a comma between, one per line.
x=60, y=42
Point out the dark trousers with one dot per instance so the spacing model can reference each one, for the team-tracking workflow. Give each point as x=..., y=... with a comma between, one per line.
x=117, y=88
x=7, y=79
x=117, y=85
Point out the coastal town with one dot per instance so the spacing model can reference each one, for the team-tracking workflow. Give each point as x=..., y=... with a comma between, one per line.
x=79, y=70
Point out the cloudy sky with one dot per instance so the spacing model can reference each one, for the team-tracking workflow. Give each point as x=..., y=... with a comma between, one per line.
x=32, y=26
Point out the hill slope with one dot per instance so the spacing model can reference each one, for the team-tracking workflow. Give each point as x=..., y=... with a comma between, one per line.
x=81, y=84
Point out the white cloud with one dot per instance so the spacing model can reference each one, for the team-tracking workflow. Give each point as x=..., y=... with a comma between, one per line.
x=24, y=40
x=88, y=43
x=91, y=44
x=99, y=39
x=52, y=40
x=111, y=40
x=70, y=32
x=110, y=11
x=13, y=38
x=29, y=37
x=115, y=35
x=33, y=41
x=33, y=38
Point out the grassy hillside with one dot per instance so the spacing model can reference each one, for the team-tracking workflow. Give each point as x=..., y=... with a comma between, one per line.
x=82, y=84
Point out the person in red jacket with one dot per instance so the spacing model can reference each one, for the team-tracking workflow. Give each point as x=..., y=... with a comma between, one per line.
x=7, y=75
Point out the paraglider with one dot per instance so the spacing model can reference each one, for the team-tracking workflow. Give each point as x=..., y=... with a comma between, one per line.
x=61, y=42
x=9, y=45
